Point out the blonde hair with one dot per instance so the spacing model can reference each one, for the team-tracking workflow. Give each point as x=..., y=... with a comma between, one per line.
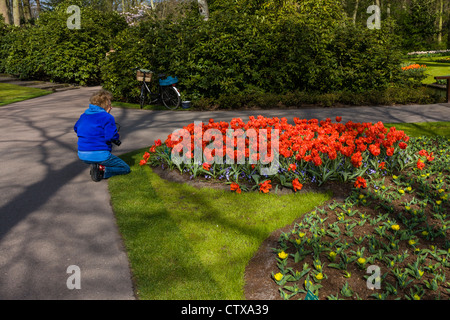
x=101, y=98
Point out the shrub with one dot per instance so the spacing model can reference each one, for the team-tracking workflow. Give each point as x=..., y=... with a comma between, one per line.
x=50, y=50
x=116, y=75
x=364, y=59
x=256, y=54
x=412, y=75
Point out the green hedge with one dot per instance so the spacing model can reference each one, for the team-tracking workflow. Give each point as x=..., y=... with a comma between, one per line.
x=241, y=56
x=49, y=50
x=235, y=53
x=308, y=99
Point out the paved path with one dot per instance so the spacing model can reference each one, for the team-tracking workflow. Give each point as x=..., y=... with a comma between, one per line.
x=53, y=216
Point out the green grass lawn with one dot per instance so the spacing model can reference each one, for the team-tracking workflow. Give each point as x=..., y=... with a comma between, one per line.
x=126, y=105
x=429, y=129
x=189, y=243
x=435, y=68
x=10, y=93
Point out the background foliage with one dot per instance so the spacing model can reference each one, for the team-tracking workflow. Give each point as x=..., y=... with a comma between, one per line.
x=272, y=50
x=50, y=50
x=249, y=52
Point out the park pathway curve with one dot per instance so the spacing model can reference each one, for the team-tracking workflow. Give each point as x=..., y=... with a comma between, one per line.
x=52, y=216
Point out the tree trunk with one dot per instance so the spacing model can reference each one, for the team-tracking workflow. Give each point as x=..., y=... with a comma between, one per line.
x=203, y=8
x=441, y=14
x=38, y=6
x=4, y=11
x=26, y=10
x=16, y=12
x=448, y=34
x=355, y=12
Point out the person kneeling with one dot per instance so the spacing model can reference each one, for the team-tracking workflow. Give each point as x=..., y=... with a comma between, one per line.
x=97, y=131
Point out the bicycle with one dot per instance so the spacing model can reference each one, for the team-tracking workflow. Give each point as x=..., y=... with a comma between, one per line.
x=168, y=93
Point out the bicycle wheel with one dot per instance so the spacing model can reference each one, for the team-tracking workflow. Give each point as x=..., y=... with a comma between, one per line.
x=142, y=96
x=170, y=96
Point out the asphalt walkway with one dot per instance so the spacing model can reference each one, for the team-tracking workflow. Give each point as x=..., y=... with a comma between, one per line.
x=52, y=216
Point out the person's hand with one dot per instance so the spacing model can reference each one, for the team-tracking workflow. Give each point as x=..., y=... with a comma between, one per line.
x=108, y=109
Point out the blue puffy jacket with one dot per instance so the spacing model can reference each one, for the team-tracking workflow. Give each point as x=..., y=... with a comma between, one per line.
x=95, y=129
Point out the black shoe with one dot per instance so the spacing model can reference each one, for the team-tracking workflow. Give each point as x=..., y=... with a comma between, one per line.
x=96, y=173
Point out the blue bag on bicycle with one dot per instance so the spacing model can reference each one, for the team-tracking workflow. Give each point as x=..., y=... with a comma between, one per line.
x=168, y=81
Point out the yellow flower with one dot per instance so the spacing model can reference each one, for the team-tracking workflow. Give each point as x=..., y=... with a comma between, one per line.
x=394, y=177
x=278, y=276
x=301, y=234
x=332, y=254
x=282, y=255
x=319, y=276
x=408, y=189
x=361, y=196
x=395, y=227
x=361, y=260
x=407, y=208
x=298, y=241
x=412, y=242
x=401, y=191
x=416, y=297
x=424, y=233
x=441, y=190
x=438, y=202
x=420, y=273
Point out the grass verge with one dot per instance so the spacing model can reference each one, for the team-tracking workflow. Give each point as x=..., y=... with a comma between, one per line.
x=189, y=243
x=10, y=93
x=429, y=129
x=127, y=105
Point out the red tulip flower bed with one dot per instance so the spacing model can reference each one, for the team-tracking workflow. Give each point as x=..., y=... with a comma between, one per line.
x=305, y=151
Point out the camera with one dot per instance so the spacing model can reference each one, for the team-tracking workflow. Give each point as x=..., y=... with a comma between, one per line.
x=117, y=142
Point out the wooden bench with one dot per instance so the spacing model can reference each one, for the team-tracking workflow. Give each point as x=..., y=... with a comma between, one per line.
x=448, y=85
